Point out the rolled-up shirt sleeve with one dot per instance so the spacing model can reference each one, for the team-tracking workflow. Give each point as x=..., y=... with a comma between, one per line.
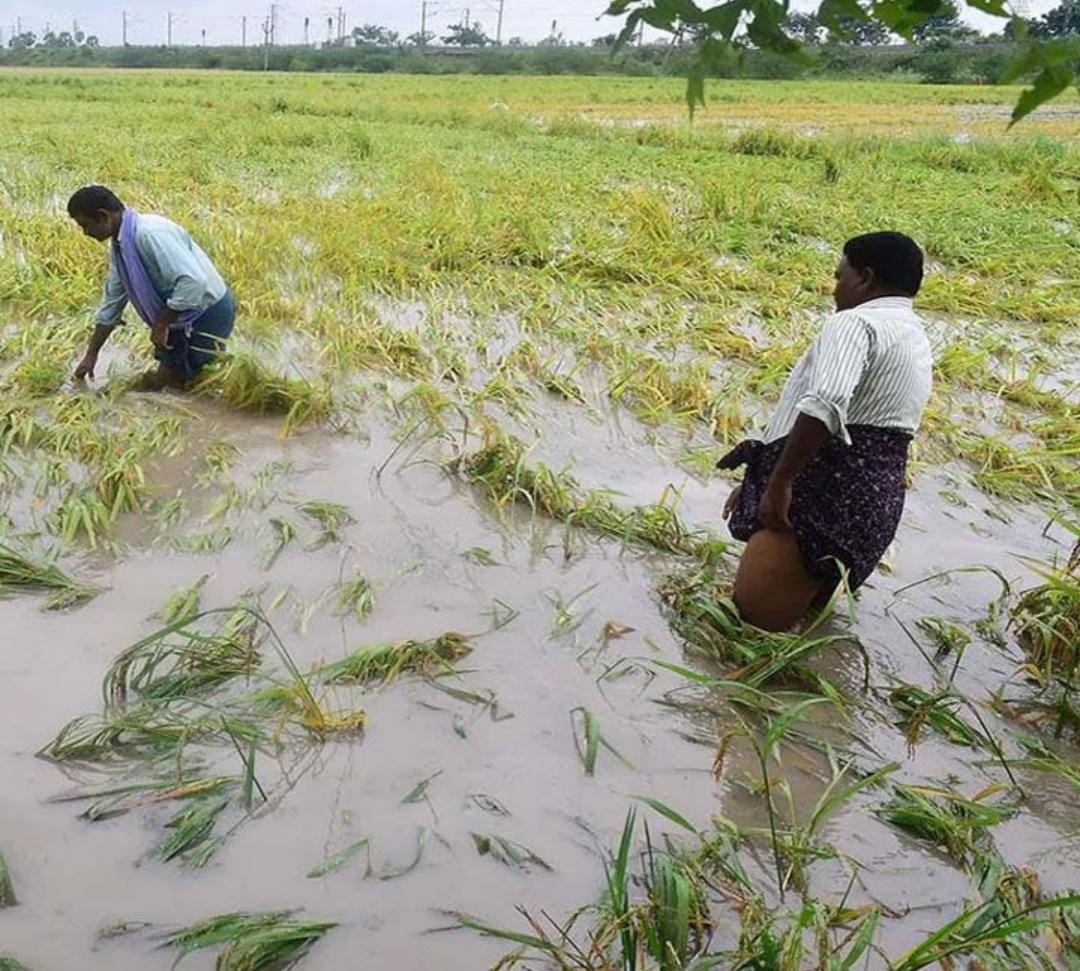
x=840, y=356
x=113, y=299
x=185, y=281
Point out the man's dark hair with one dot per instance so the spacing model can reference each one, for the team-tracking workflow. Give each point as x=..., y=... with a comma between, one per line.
x=896, y=260
x=91, y=199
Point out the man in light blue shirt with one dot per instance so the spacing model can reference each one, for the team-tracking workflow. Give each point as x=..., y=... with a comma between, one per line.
x=172, y=284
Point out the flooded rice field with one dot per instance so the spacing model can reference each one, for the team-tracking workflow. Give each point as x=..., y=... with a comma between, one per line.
x=402, y=640
x=559, y=622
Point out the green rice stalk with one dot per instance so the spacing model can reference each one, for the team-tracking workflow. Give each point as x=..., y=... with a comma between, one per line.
x=589, y=739
x=676, y=915
x=285, y=532
x=982, y=931
x=1041, y=758
x=145, y=730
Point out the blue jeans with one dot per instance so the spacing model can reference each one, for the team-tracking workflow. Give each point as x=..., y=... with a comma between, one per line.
x=188, y=355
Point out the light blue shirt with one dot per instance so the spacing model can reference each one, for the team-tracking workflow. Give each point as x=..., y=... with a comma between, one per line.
x=178, y=268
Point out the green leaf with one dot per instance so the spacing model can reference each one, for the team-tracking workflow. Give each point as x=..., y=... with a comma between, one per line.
x=724, y=19
x=1050, y=82
x=861, y=942
x=525, y=940
x=421, y=844
x=668, y=813
x=996, y=8
x=338, y=860
x=419, y=792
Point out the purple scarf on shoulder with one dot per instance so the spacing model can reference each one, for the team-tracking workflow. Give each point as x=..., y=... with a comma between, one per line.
x=140, y=290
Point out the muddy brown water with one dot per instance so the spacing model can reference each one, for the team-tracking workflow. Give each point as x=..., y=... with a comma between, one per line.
x=413, y=525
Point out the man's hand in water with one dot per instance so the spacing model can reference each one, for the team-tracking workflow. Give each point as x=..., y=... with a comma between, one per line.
x=776, y=505
x=86, y=367
x=159, y=333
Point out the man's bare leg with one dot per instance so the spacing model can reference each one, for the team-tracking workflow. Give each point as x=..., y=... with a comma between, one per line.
x=773, y=590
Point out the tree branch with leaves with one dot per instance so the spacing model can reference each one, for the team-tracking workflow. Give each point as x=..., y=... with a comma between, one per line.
x=724, y=31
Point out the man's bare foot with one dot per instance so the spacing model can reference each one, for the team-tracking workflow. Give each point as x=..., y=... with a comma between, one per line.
x=159, y=379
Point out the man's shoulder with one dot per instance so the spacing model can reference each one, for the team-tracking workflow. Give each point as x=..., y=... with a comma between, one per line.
x=874, y=315
x=846, y=321
x=151, y=224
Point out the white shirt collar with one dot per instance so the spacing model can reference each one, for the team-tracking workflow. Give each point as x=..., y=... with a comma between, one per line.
x=887, y=303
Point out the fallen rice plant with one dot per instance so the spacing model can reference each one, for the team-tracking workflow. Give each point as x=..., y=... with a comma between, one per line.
x=251, y=942
x=386, y=662
x=180, y=660
x=500, y=469
x=177, y=689
x=183, y=604
x=958, y=825
x=242, y=381
x=920, y=709
x=20, y=572
x=355, y=596
x=330, y=517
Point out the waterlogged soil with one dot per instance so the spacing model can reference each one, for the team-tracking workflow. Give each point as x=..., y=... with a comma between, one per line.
x=553, y=612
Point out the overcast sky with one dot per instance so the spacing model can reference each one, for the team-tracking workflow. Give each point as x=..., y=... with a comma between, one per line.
x=221, y=19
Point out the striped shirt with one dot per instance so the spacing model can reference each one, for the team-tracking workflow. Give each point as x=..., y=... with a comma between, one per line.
x=869, y=366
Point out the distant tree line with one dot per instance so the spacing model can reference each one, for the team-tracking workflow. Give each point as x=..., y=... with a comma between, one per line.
x=51, y=41
x=944, y=49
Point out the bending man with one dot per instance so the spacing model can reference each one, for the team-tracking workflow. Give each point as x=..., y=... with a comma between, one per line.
x=170, y=281
x=823, y=494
